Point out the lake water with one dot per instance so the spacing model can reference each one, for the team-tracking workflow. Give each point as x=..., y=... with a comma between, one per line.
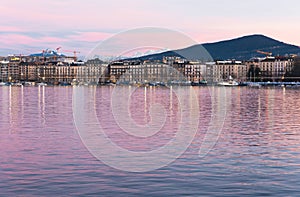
x=256, y=153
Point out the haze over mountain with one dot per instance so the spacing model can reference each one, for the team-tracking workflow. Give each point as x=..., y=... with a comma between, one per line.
x=243, y=48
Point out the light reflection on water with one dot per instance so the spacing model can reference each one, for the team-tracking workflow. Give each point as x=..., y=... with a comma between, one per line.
x=257, y=152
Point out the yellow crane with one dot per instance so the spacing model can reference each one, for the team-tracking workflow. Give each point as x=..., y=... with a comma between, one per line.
x=74, y=52
x=268, y=54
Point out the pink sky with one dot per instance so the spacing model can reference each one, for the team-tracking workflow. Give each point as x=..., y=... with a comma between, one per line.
x=80, y=25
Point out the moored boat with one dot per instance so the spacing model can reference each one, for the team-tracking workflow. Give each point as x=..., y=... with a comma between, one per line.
x=254, y=85
x=41, y=84
x=230, y=82
x=199, y=83
x=17, y=84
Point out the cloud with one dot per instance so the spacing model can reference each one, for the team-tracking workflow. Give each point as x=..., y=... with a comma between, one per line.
x=89, y=36
x=17, y=41
x=6, y=28
x=72, y=23
x=12, y=39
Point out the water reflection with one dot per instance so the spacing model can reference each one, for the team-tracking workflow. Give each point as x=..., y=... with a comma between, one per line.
x=257, y=152
x=41, y=104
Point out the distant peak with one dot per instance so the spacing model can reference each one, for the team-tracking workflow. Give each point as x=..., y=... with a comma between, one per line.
x=254, y=36
x=257, y=36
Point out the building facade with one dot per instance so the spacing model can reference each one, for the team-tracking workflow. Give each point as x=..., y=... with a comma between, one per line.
x=195, y=72
x=9, y=71
x=223, y=70
x=94, y=71
x=62, y=72
x=133, y=72
x=275, y=68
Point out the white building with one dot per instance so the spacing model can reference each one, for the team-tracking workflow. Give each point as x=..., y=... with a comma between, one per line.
x=224, y=69
x=276, y=67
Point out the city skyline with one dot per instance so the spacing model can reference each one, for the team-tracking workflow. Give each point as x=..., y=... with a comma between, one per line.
x=77, y=25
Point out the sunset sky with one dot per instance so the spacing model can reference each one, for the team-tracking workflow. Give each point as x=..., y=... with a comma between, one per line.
x=32, y=25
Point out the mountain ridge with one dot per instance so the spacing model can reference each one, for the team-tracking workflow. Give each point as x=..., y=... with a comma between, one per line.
x=241, y=48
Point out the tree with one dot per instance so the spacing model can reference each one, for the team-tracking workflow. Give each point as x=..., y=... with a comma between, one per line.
x=257, y=72
x=254, y=73
x=251, y=73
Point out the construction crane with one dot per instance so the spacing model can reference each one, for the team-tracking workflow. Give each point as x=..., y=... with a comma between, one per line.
x=74, y=52
x=16, y=57
x=268, y=54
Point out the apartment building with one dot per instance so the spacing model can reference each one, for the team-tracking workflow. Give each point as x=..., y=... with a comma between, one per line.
x=224, y=69
x=274, y=68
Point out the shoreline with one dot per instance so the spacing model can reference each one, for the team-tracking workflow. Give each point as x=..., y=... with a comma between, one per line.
x=241, y=84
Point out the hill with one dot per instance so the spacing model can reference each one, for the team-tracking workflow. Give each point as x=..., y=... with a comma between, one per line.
x=243, y=48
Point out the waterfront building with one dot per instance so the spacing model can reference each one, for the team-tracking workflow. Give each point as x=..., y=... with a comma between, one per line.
x=210, y=72
x=53, y=68
x=171, y=70
x=66, y=73
x=274, y=68
x=28, y=71
x=94, y=71
x=136, y=72
x=57, y=72
x=9, y=71
x=224, y=69
x=195, y=72
x=117, y=69
x=4, y=70
x=50, y=72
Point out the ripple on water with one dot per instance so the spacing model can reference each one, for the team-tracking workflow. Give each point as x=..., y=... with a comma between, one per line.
x=257, y=152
